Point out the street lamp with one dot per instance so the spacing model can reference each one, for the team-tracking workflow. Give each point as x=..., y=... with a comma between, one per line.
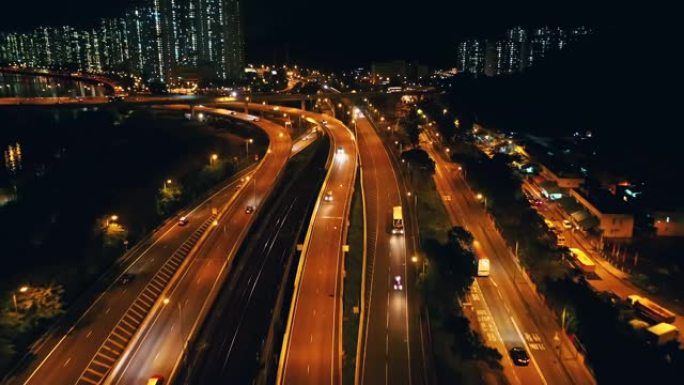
x=110, y=219
x=415, y=260
x=212, y=159
x=483, y=198
x=167, y=183
x=22, y=289
x=248, y=141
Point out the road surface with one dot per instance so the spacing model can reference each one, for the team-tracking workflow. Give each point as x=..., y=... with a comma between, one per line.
x=159, y=347
x=311, y=351
x=235, y=346
x=508, y=310
x=389, y=352
x=607, y=277
x=65, y=354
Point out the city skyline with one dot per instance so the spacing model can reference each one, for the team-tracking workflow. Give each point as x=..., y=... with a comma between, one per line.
x=358, y=193
x=277, y=31
x=516, y=50
x=158, y=39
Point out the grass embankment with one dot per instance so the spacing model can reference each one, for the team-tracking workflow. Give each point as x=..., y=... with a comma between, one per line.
x=353, y=267
x=434, y=224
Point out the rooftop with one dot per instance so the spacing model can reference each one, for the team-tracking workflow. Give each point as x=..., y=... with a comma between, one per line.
x=604, y=201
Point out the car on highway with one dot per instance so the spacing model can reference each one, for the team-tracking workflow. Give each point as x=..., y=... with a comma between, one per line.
x=324, y=122
x=340, y=150
x=567, y=224
x=249, y=209
x=256, y=119
x=397, y=283
x=519, y=356
x=157, y=379
x=328, y=196
x=126, y=278
x=561, y=240
x=182, y=221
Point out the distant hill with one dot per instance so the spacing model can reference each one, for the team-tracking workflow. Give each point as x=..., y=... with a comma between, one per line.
x=620, y=83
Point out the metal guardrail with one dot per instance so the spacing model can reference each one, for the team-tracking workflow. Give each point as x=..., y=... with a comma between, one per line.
x=115, y=344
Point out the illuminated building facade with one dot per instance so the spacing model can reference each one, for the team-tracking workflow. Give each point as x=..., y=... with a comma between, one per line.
x=155, y=40
x=519, y=49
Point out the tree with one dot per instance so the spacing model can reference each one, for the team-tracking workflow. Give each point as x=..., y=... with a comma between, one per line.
x=411, y=122
x=6, y=353
x=463, y=237
x=169, y=197
x=420, y=159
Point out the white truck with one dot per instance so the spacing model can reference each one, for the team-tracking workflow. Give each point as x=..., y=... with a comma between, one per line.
x=662, y=333
x=483, y=267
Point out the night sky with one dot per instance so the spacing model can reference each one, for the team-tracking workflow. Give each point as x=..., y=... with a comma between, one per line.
x=351, y=32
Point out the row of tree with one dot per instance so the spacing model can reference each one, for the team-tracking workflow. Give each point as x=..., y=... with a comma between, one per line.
x=599, y=323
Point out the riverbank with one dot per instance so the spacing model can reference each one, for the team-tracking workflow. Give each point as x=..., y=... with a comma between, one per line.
x=85, y=188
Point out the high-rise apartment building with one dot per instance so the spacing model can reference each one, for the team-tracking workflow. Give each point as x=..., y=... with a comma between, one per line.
x=158, y=40
x=517, y=50
x=234, y=41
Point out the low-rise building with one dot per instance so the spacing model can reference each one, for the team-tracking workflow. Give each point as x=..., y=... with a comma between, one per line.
x=614, y=219
x=668, y=224
x=563, y=179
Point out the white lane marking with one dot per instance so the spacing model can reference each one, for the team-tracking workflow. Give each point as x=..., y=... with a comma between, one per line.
x=534, y=362
x=89, y=333
x=495, y=328
x=67, y=362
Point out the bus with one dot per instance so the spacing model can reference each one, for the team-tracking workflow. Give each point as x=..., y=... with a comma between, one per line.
x=483, y=267
x=582, y=261
x=397, y=220
x=650, y=310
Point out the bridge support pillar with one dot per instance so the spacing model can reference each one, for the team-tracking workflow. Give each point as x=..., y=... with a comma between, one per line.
x=303, y=105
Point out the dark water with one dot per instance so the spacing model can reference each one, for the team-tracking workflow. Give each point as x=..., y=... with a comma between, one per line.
x=63, y=169
x=13, y=85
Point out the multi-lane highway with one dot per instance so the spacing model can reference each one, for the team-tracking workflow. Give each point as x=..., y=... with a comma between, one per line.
x=160, y=346
x=237, y=346
x=85, y=349
x=311, y=351
x=391, y=349
x=509, y=311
